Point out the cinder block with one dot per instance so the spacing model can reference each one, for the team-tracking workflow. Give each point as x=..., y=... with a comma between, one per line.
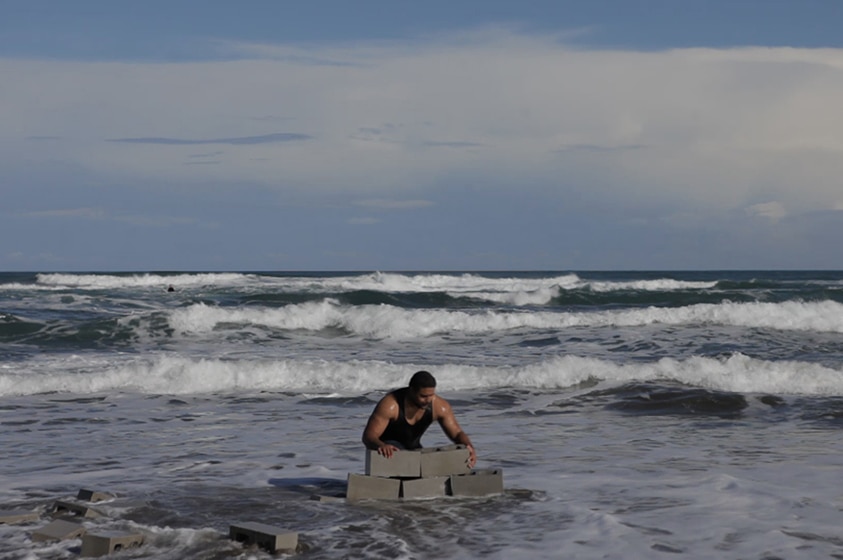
x=269, y=538
x=477, y=483
x=106, y=542
x=445, y=461
x=327, y=498
x=74, y=508
x=58, y=530
x=402, y=463
x=364, y=487
x=92, y=496
x=431, y=487
x=10, y=516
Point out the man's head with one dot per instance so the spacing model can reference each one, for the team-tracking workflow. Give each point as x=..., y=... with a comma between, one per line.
x=422, y=388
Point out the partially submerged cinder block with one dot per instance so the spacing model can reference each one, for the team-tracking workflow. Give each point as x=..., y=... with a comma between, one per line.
x=445, y=460
x=328, y=498
x=73, y=508
x=58, y=530
x=418, y=488
x=93, y=496
x=10, y=516
x=402, y=463
x=106, y=542
x=477, y=483
x=364, y=487
x=269, y=538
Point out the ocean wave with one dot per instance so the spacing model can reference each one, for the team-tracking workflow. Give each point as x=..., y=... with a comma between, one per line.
x=472, y=284
x=390, y=322
x=147, y=280
x=171, y=374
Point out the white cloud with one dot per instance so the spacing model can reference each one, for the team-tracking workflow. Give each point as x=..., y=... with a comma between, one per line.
x=86, y=213
x=387, y=204
x=701, y=127
x=772, y=210
x=99, y=214
x=363, y=221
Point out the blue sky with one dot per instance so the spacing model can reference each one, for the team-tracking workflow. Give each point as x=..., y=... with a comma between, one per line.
x=377, y=135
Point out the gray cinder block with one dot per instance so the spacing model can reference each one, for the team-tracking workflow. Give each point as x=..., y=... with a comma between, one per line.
x=364, y=487
x=445, y=461
x=477, y=483
x=327, y=498
x=10, y=516
x=402, y=463
x=77, y=509
x=106, y=542
x=92, y=496
x=431, y=487
x=58, y=530
x=269, y=538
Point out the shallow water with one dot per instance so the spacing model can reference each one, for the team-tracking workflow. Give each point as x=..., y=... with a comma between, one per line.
x=630, y=428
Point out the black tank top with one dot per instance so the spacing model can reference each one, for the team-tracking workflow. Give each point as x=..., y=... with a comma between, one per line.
x=400, y=431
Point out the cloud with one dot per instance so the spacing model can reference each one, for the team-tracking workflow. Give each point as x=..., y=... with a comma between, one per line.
x=705, y=129
x=85, y=213
x=363, y=221
x=237, y=141
x=772, y=210
x=385, y=204
x=454, y=144
x=597, y=149
x=101, y=214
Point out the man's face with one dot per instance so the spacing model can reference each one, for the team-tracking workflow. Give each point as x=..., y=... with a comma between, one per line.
x=424, y=396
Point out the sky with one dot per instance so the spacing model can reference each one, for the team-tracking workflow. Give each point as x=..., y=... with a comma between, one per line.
x=285, y=135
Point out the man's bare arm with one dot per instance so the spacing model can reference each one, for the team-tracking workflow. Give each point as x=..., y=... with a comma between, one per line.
x=386, y=410
x=452, y=429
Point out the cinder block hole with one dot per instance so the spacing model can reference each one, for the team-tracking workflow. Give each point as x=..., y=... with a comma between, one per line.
x=241, y=537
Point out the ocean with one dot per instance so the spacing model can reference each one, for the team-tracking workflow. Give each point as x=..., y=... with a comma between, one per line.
x=633, y=414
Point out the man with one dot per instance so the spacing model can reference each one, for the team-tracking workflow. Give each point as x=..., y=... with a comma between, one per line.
x=402, y=416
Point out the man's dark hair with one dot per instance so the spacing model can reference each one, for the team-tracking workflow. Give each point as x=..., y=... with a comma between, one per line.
x=422, y=380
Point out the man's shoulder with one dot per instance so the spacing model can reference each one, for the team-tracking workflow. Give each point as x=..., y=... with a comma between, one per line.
x=388, y=402
x=441, y=407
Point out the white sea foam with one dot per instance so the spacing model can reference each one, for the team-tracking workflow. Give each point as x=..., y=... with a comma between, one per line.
x=389, y=322
x=474, y=285
x=148, y=280
x=173, y=374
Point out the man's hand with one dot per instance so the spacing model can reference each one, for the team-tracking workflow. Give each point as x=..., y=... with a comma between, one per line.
x=387, y=450
x=472, y=456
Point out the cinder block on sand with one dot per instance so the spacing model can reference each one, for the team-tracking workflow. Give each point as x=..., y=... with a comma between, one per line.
x=364, y=487
x=480, y=482
x=12, y=516
x=74, y=508
x=401, y=464
x=418, y=488
x=269, y=538
x=107, y=542
x=58, y=530
x=445, y=460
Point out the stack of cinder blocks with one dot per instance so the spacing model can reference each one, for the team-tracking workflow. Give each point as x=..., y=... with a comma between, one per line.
x=426, y=473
